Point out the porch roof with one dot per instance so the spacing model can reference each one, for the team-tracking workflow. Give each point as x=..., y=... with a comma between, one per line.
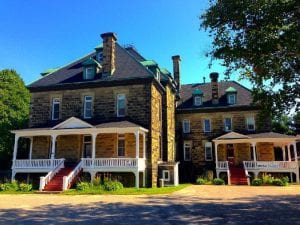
x=74, y=125
x=234, y=137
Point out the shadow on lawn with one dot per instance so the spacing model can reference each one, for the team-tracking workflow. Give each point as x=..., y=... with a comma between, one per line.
x=164, y=210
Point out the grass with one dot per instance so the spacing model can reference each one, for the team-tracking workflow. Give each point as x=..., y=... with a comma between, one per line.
x=127, y=191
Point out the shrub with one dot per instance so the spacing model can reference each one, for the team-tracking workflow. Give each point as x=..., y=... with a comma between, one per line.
x=279, y=182
x=112, y=185
x=218, y=181
x=96, y=181
x=285, y=180
x=209, y=175
x=82, y=186
x=267, y=179
x=200, y=181
x=13, y=186
x=257, y=182
x=25, y=187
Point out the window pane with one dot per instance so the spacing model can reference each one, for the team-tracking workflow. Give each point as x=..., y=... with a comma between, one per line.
x=55, y=108
x=121, y=104
x=227, y=124
x=187, y=151
x=208, y=151
x=207, y=125
x=186, y=126
x=121, y=147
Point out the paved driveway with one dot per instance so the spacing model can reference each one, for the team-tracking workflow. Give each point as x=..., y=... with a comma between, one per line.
x=192, y=205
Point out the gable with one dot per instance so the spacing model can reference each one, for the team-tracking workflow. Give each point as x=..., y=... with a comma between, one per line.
x=72, y=123
x=232, y=135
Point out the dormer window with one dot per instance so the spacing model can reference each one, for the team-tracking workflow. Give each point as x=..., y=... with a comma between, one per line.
x=89, y=73
x=157, y=75
x=197, y=97
x=99, y=56
x=231, y=95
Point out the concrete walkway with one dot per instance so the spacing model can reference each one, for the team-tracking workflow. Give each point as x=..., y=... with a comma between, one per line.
x=192, y=205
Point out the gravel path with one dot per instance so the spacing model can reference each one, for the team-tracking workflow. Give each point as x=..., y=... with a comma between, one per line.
x=192, y=205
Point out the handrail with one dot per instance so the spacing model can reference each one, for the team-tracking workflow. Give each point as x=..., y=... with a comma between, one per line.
x=35, y=163
x=51, y=174
x=67, y=180
x=222, y=165
x=246, y=172
x=270, y=165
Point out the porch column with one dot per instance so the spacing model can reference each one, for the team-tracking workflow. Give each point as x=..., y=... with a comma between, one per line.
x=94, y=136
x=295, y=152
x=53, y=139
x=30, y=148
x=15, y=149
x=137, y=179
x=144, y=145
x=216, y=153
x=137, y=144
x=289, y=152
x=254, y=151
x=283, y=153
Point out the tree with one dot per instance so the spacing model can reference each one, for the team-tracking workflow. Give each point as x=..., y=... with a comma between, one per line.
x=260, y=40
x=14, y=111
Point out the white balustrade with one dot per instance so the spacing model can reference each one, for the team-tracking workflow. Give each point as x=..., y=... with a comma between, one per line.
x=67, y=180
x=36, y=163
x=113, y=163
x=51, y=174
x=270, y=165
x=222, y=165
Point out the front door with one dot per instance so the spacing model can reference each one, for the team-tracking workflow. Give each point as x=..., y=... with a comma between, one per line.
x=87, y=147
x=230, y=154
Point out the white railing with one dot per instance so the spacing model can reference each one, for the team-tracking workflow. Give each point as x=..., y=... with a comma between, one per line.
x=270, y=165
x=51, y=174
x=113, y=163
x=67, y=180
x=223, y=165
x=36, y=163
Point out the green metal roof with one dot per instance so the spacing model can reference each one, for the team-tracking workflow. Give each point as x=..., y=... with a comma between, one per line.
x=51, y=70
x=149, y=63
x=99, y=47
x=164, y=71
x=90, y=61
x=231, y=89
x=197, y=92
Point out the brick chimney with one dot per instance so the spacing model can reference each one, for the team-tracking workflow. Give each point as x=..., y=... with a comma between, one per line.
x=214, y=88
x=176, y=70
x=109, y=56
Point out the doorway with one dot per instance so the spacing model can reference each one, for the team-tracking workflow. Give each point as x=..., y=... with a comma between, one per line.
x=87, y=146
x=230, y=154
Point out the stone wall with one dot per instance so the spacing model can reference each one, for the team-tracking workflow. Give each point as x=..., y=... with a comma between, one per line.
x=40, y=147
x=265, y=151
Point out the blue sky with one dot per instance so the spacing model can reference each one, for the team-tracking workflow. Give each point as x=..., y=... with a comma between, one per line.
x=37, y=35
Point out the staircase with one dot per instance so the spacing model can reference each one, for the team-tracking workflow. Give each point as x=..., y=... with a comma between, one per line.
x=56, y=183
x=238, y=176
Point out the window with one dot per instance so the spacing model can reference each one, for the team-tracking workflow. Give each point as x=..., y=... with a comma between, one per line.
x=231, y=98
x=166, y=175
x=208, y=151
x=55, y=109
x=89, y=73
x=187, y=151
x=186, y=126
x=121, y=105
x=197, y=100
x=227, y=124
x=158, y=75
x=87, y=146
x=100, y=56
x=121, y=145
x=250, y=123
x=88, y=100
x=206, y=125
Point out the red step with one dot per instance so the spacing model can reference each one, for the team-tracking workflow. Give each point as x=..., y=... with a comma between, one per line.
x=238, y=176
x=56, y=184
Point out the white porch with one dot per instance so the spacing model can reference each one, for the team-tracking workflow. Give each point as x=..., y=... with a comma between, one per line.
x=257, y=165
x=93, y=164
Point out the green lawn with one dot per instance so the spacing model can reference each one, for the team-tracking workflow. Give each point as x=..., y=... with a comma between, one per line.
x=127, y=191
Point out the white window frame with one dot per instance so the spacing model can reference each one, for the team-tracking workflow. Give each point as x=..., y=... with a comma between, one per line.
x=197, y=100
x=55, y=101
x=121, y=137
x=86, y=142
x=187, y=144
x=89, y=76
x=121, y=97
x=204, y=130
x=225, y=128
x=229, y=98
x=208, y=146
x=86, y=100
x=247, y=123
x=186, y=130
x=164, y=172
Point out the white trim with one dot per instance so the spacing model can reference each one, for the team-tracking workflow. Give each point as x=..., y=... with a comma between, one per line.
x=234, y=98
x=55, y=101
x=197, y=100
x=91, y=75
x=121, y=97
x=72, y=122
x=164, y=172
x=206, y=131
x=85, y=108
x=185, y=145
x=184, y=129
x=208, y=145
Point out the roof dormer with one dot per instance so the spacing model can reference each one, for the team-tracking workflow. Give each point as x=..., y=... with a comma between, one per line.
x=99, y=53
x=153, y=67
x=231, y=93
x=90, y=68
x=197, y=97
